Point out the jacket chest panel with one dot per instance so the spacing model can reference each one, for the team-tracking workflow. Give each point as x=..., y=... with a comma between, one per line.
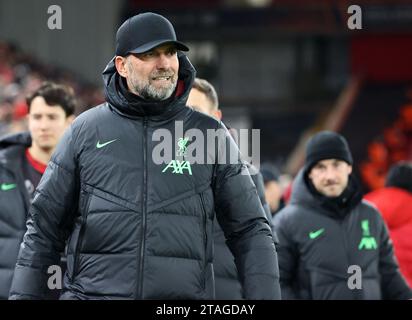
x=171, y=168
x=168, y=181
x=124, y=164
x=334, y=245
x=320, y=244
x=13, y=212
x=364, y=240
x=112, y=163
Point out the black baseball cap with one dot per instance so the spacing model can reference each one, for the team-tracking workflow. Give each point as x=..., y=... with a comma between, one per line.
x=144, y=32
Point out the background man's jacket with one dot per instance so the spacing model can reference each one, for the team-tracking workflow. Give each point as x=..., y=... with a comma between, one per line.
x=395, y=205
x=14, y=205
x=227, y=283
x=317, y=246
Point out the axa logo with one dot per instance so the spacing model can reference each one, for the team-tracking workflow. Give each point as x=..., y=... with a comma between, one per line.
x=367, y=242
x=179, y=167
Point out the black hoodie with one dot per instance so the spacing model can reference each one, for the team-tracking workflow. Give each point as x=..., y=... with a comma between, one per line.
x=320, y=240
x=136, y=229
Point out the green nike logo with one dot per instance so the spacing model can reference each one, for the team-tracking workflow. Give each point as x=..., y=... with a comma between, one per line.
x=315, y=234
x=8, y=186
x=101, y=145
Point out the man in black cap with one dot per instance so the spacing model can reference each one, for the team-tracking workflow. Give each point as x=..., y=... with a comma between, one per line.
x=137, y=228
x=333, y=245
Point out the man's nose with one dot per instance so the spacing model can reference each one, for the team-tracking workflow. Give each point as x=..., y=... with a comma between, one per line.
x=163, y=61
x=330, y=173
x=44, y=124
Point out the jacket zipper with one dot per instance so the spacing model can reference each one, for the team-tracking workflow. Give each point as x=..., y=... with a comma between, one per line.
x=204, y=238
x=345, y=244
x=142, y=242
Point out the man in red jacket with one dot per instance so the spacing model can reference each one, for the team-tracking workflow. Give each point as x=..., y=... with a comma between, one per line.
x=394, y=201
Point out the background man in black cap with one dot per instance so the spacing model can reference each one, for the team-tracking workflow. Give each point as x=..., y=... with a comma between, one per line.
x=327, y=233
x=139, y=229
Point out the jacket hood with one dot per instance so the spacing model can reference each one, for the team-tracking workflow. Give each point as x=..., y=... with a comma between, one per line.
x=132, y=106
x=12, y=148
x=335, y=207
x=300, y=192
x=16, y=139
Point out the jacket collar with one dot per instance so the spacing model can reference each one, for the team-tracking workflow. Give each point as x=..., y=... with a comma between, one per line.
x=304, y=193
x=126, y=104
x=12, y=148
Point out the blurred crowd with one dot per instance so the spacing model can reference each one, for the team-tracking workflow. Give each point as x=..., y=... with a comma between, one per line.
x=393, y=145
x=21, y=74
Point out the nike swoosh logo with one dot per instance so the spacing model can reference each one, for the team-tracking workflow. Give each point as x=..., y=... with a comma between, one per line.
x=315, y=234
x=101, y=145
x=8, y=186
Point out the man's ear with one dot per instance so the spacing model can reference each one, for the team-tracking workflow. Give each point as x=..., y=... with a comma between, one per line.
x=70, y=119
x=120, y=64
x=217, y=114
x=350, y=169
